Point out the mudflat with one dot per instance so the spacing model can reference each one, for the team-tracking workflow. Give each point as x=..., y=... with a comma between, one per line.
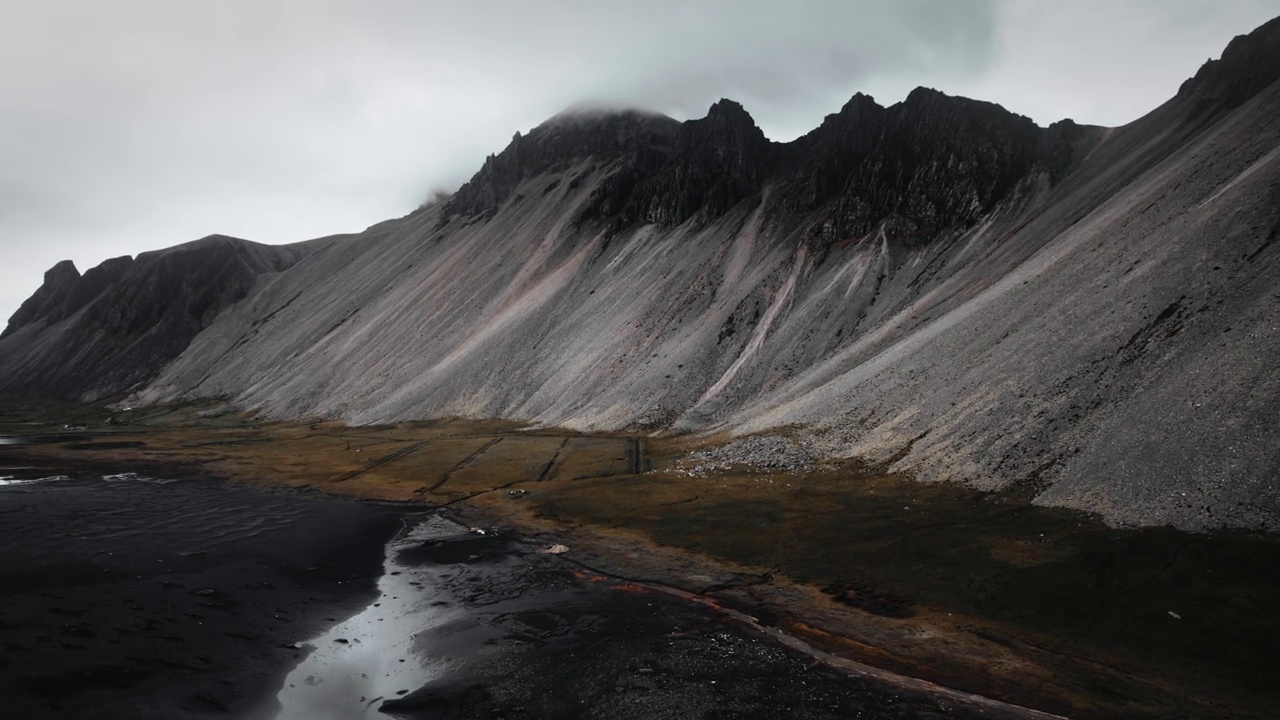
x=981, y=592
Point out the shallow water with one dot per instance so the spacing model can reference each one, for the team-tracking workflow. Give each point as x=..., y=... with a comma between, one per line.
x=136, y=478
x=141, y=578
x=479, y=624
x=372, y=656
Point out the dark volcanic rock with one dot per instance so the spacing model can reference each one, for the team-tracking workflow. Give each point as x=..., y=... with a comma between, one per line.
x=47, y=301
x=94, y=282
x=1248, y=64
x=718, y=162
x=65, y=291
x=639, y=138
x=116, y=325
x=929, y=163
x=825, y=159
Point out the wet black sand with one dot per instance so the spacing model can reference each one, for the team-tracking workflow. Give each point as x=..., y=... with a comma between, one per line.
x=978, y=591
x=540, y=639
x=127, y=598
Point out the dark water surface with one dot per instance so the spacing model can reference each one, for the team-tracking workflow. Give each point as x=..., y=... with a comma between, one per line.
x=127, y=596
x=133, y=596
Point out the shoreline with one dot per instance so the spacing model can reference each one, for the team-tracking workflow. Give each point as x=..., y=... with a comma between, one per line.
x=132, y=593
x=590, y=501
x=787, y=612
x=252, y=689
x=752, y=619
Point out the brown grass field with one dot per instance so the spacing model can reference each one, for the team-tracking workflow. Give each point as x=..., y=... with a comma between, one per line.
x=982, y=592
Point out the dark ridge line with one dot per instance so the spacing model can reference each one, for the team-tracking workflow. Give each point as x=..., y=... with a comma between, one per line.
x=632, y=464
x=551, y=463
x=245, y=337
x=382, y=461
x=342, y=436
x=884, y=260
x=1271, y=239
x=460, y=465
x=1141, y=340
x=235, y=441
x=217, y=364
x=340, y=323
x=477, y=493
x=273, y=313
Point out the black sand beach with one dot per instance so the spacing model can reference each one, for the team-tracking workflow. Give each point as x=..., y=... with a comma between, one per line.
x=134, y=595
x=129, y=597
x=521, y=633
x=906, y=586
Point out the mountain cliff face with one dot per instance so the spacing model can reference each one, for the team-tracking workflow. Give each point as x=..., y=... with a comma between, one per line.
x=939, y=285
x=104, y=332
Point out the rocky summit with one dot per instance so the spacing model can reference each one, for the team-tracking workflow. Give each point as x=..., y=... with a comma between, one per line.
x=940, y=287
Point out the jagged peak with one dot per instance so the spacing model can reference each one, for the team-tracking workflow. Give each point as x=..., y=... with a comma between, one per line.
x=61, y=269
x=671, y=171
x=727, y=109
x=48, y=298
x=922, y=94
x=725, y=121
x=1248, y=65
x=853, y=114
x=578, y=132
x=859, y=102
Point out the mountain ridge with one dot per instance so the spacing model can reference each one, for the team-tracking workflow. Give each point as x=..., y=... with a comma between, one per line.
x=670, y=171
x=940, y=287
x=116, y=324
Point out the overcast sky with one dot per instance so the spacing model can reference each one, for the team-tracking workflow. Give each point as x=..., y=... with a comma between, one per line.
x=129, y=125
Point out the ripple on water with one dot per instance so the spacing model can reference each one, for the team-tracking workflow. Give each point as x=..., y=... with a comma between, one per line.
x=10, y=480
x=135, y=477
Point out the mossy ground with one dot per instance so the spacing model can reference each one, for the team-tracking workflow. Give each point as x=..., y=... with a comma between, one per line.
x=1044, y=607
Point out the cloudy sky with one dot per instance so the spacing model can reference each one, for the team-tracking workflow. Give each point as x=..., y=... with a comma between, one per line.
x=128, y=125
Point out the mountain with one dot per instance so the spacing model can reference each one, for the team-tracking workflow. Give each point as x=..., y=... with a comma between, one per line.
x=112, y=328
x=940, y=286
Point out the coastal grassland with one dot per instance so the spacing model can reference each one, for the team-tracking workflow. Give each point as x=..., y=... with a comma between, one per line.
x=1044, y=607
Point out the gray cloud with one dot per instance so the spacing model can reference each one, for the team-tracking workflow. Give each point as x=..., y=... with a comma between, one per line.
x=136, y=124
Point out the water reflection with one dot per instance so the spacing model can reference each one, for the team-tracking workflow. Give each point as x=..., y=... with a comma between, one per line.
x=371, y=657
